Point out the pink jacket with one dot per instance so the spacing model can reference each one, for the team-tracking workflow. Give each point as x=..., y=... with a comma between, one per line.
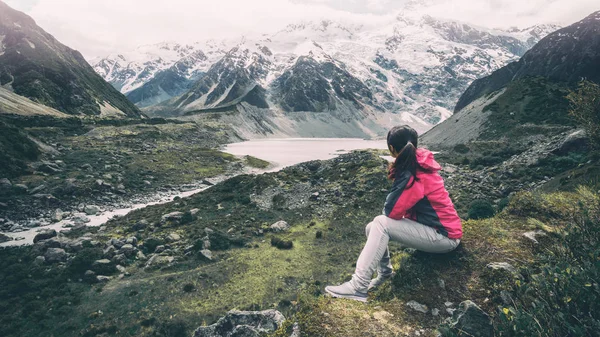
x=426, y=201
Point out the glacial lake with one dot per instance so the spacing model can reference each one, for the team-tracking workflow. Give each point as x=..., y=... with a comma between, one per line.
x=280, y=153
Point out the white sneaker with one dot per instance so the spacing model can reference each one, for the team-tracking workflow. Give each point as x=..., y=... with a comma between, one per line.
x=379, y=280
x=346, y=290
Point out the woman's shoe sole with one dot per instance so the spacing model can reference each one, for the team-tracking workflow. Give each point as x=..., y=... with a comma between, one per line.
x=350, y=297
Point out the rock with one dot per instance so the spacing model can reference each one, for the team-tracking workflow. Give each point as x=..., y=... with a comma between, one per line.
x=243, y=324
x=120, y=268
x=103, y=279
x=127, y=249
x=502, y=266
x=159, y=249
x=296, y=330
x=140, y=225
x=119, y=259
x=470, y=320
x=91, y=209
x=173, y=216
x=5, y=184
x=44, y=235
x=206, y=254
x=132, y=241
x=80, y=218
x=103, y=266
x=54, y=255
x=37, y=189
x=435, y=311
x=110, y=252
x=39, y=261
x=20, y=188
x=173, y=237
x=4, y=238
x=157, y=261
x=417, y=306
x=280, y=226
x=194, y=211
x=576, y=141
x=90, y=276
x=533, y=235
x=151, y=243
x=140, y=256
x=57, y=216
x=117, y=243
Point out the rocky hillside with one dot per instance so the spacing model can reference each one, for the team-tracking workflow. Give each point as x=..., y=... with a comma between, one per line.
x=277, y=240
x=526, y=100
x=412, y=68
x=35, y=65
x=567, y=55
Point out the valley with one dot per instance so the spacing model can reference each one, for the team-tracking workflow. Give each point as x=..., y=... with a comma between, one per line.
x=215, y=188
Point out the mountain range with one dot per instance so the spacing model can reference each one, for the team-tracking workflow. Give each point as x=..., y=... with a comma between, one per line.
x=411, y=69
x=526, y=99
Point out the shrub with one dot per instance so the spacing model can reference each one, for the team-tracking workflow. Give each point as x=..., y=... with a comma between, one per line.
x=560, y=297
x=481, y=209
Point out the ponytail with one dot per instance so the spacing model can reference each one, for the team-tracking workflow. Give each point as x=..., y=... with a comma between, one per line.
x=404, y=140
x=406, y=161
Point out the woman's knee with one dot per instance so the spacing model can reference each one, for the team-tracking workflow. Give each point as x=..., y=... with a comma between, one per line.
x=380, y=221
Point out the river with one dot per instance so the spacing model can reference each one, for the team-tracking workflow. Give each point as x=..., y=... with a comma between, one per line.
x=280, y=153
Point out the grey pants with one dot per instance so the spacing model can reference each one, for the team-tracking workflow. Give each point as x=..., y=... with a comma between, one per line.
x=408, y=233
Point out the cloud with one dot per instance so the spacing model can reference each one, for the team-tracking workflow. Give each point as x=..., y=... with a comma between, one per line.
x=99, y=27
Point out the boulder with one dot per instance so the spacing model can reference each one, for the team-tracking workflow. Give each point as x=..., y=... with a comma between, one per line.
x=103, y=279
x=502, y=266
x=4, y=238
x=576, y=141
x=20, y=188
x=280, y=226
x=80, y=218
x=91, y=209
x=173, y=216
x=132, y=241
x=158, y=261
x=44, y=235
x=127, y=250
x=470, y=320
x=57, y=216
x=90, y=276
x=103, y=266
x=206, y=254
x=243, y=324
x=54, y=255
x=173, y=237
x=39, y=261
x=417, y=306
x=5, y=184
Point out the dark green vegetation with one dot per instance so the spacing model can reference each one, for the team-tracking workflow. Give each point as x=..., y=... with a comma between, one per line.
x=16, y=149
x=103, y=161
x=39, y=67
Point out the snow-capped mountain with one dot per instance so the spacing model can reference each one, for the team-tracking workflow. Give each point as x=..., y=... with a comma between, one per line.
x=416, y=66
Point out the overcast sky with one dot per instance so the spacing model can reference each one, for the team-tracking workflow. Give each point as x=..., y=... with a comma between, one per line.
x=99, y=27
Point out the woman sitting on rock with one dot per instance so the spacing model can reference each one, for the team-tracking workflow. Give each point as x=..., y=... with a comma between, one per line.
x=418, y=213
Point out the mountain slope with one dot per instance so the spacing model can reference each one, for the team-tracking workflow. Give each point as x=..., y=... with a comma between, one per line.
x=526, y=99
x=35, y=65
x=568, y=55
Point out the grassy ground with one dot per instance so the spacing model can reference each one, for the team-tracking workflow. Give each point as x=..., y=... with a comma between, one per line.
x=247, y=272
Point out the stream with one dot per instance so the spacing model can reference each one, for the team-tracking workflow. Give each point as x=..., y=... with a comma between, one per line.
x=280, y=153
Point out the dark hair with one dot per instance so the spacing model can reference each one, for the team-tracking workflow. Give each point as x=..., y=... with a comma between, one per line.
x=404, y=140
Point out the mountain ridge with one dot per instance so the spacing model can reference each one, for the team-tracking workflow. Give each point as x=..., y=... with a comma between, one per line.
x=36, y=65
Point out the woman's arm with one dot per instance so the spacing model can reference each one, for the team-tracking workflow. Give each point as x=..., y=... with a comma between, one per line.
x=403, y=196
